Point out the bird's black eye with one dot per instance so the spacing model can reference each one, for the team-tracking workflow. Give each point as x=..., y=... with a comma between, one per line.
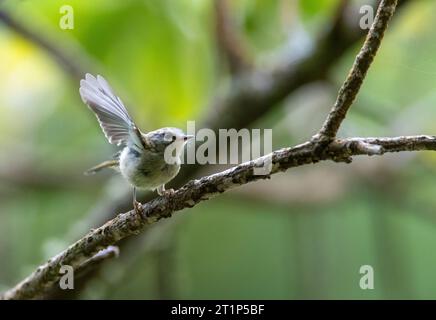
x=174, y=138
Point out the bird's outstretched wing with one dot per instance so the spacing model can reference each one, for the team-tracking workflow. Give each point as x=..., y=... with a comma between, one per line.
x=113, y=117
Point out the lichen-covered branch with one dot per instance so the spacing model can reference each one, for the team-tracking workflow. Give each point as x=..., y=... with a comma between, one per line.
x=397, y=144
x=353, y=82
x=131, y=223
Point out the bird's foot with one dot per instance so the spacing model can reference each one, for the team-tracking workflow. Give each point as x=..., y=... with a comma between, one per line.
x=137, y=207
x=168, y=193
x=163, y=192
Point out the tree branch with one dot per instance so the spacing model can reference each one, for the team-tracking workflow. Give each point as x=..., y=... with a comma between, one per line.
x=196, y=191
x=130, y=223
x=354, y=80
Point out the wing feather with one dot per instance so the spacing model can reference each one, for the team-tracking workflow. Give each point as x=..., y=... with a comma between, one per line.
x=115, y=121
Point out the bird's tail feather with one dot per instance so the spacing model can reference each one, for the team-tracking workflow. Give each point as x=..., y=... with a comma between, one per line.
x=106, y=164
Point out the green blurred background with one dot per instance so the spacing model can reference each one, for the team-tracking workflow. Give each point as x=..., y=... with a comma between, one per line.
x=302, y=234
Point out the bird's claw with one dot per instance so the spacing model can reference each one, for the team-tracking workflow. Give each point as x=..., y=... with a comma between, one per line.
x=137, y=207
x=168, y=193
x=165, y=193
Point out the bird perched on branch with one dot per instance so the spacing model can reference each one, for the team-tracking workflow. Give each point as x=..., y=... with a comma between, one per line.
x=148, y=160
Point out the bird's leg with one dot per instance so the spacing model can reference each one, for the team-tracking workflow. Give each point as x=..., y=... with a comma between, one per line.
x=136, y=205
x=165, y=193
x=162, y=192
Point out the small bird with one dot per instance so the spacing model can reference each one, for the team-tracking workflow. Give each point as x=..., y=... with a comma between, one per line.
x=142, y=161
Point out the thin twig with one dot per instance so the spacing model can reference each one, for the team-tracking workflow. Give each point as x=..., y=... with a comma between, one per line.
x=101, y=256
x=354, y=80
x=88, y=269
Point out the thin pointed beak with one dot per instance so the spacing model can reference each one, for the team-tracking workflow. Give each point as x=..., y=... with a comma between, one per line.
x=188, y=137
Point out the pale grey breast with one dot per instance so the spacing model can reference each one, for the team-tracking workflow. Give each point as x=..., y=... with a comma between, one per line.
x=147, y=170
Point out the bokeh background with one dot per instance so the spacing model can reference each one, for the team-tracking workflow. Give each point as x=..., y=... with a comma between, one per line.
x=302, y=234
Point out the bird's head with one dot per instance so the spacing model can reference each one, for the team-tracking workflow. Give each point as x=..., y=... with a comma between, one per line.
x=164, y=137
